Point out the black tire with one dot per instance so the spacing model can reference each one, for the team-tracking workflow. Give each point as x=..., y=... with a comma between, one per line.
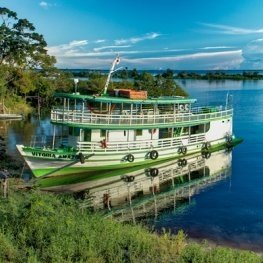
x=81, y=158
x=184, y=150
x=184, y=162
x=153, y=172
x=206, y=146
x=180, y=162
x=130, y=158
x=131, y=178
x=179, y=151
x=154, y=155
x=206, y=155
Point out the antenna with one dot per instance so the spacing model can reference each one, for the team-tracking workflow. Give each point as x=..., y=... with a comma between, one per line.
x=229, y=100
x=76, y=81
x=114, y=63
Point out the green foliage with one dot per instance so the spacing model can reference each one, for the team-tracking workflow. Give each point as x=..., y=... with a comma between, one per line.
x=20, y=45
x=17, y=104
x=160, y=85
x=39, y=227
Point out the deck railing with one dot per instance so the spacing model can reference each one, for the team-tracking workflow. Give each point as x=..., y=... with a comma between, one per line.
x=92, y=147
x=59, y=115
x=139, y=145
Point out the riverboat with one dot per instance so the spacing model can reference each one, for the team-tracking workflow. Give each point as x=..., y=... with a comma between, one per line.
x=124, y=128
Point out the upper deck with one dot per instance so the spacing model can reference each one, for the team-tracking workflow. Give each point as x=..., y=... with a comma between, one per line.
x=106, y=112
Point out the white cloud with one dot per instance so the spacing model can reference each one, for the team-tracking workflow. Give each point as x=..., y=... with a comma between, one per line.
x=134, y=40
x=97, y=49
x=99, y=41
x=195, y=56
x=205, y=60
x=85, y=54
x=43, y=4
x=65, y=49
x=231, y=30
x=253, y=55
x=215, y=47
x=78, y=43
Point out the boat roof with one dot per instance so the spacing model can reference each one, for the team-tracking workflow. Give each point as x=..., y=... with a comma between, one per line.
x=112, y=99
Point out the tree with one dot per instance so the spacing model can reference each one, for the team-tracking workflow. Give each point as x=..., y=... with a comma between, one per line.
x=20, y=45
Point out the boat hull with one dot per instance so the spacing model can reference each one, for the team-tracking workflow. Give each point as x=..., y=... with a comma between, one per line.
x=48, y=163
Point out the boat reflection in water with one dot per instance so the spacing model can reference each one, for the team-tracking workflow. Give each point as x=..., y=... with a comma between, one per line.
x=147, y=193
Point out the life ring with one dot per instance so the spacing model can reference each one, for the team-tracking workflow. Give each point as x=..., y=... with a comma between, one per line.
x=153, y=172
x=186, y=107
x=103, y=144
x=153, y=155
x=81, y=158
x=181, y=107
x=129, y=158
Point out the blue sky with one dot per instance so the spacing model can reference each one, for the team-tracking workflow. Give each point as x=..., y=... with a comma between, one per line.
x=176, y=34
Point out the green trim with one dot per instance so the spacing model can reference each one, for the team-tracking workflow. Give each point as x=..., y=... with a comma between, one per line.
x=109, y=99
x=62, y=150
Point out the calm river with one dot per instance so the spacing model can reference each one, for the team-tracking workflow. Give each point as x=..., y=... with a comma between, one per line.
x=230, y=211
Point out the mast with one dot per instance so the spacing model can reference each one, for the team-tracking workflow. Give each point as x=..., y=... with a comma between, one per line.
x=114, y=63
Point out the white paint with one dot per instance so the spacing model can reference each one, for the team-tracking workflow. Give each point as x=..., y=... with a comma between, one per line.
x=219, y=129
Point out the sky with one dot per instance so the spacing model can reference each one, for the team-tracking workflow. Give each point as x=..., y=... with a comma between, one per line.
x=149, y=34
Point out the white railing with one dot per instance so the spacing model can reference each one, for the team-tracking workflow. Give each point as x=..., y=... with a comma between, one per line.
x=47, y=142
x=139, y=145
x=87, y=117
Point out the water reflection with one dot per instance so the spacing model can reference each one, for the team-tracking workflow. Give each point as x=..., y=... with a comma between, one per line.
x=147, y=193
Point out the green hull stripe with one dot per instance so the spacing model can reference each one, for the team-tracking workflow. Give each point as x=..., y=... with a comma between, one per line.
x=78, y=175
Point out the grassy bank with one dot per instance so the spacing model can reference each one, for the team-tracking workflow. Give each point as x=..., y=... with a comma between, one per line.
x=39, y=227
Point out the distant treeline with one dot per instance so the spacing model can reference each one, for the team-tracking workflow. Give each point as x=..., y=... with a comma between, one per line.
x=246, y=75
x=137, y=74
x=156, y=85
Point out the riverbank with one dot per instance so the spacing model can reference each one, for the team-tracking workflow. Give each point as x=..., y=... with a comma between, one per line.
x=39, y=227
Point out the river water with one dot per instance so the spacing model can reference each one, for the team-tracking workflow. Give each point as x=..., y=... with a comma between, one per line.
x=230, y=211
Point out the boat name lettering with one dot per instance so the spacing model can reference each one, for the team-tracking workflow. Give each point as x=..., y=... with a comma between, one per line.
x=52, y=155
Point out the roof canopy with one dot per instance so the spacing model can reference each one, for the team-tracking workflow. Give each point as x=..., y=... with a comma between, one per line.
x=110, y=99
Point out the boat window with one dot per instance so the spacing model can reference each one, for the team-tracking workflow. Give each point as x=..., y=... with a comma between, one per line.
x=73, y=131
x=185, y=131
x=202, y=128
x=165, y=133
x=138, y=132
x=102, y=133
x=177, y=131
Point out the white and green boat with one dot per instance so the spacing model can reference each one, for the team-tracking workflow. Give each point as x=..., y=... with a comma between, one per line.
x=125, y=128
